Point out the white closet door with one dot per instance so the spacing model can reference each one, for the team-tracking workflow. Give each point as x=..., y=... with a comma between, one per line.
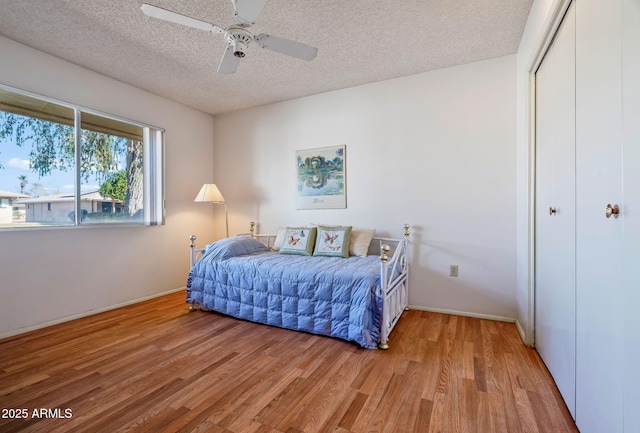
x=631, y=139
x=600, y=295
x=555, y=314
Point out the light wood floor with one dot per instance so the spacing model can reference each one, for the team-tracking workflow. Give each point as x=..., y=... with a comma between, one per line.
x=155, y=367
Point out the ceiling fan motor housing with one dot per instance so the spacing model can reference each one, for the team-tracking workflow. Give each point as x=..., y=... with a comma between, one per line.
x=239, y=38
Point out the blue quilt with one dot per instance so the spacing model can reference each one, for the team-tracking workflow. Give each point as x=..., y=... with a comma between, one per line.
x=330, y=296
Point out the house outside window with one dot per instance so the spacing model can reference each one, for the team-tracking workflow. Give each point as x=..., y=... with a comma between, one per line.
x=63, y=165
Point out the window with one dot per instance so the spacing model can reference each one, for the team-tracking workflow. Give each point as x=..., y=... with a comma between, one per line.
x=62, y=165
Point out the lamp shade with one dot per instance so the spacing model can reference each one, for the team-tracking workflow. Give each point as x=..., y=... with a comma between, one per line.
x=210, y=193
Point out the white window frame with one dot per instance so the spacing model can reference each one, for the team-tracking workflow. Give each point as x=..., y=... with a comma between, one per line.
x=153, y=168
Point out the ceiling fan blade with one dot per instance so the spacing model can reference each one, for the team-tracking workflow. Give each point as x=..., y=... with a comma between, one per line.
x=285, y=46
x=248, y=11
x=229, y=62
x=163, y=14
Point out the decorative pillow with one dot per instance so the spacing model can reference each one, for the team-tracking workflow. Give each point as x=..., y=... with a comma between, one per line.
x=279, y=241
x=333, y=241
x=360, y=240
x=233, y=246
x=299, y=240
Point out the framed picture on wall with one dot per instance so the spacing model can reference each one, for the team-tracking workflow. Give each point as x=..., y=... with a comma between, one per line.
x=322, y=178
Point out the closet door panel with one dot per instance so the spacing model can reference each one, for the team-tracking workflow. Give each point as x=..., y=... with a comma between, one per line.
x=545, y=340
x=555, y=210
x=545, y=336
x=631, y=151
x=599, y=379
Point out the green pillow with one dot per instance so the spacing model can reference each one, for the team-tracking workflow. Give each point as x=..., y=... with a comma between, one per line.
x=299, y=240
x=333, y=241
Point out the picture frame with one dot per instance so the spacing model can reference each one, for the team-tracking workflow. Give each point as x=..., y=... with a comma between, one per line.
x=321, y=178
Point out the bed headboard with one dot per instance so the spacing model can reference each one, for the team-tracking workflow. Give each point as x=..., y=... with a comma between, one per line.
x=385, y=247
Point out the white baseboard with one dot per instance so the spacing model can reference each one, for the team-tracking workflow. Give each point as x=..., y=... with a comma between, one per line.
x=464, y=313
x=520, y=331
x=88, y=313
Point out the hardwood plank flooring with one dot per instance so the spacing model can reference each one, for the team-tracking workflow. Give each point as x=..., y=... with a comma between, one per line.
x=155, y=367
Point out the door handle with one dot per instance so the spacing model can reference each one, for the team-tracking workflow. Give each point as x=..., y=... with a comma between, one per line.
x=553, y=211
x=612, y=210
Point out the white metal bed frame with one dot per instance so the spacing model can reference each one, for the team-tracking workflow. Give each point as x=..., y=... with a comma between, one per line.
x=393, y=291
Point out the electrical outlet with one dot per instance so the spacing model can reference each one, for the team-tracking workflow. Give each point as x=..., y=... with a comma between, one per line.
x=453, y=270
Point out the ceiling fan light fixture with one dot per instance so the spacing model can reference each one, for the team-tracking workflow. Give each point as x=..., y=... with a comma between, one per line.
x=239, y=40
x=238, y=49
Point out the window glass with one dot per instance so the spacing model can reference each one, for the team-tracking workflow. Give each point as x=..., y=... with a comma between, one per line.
x=37, y=163
x=112, y=174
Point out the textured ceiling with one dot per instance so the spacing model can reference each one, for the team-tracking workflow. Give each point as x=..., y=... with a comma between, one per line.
x=358, y=41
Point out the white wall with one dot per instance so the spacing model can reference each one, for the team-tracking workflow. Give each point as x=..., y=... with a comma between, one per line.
x=435, y=150
x=49, y=275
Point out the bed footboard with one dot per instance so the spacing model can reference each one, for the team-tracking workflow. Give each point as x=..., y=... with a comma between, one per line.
x=395, y=284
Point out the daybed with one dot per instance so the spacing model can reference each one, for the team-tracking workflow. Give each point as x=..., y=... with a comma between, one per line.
x=359, y=298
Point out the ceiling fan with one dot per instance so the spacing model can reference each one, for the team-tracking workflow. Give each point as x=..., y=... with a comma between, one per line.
x=246, y=13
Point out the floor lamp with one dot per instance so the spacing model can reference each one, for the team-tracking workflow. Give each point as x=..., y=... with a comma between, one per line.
x=210, y=193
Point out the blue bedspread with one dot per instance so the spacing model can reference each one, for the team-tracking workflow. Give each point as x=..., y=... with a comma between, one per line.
x=322, y=295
